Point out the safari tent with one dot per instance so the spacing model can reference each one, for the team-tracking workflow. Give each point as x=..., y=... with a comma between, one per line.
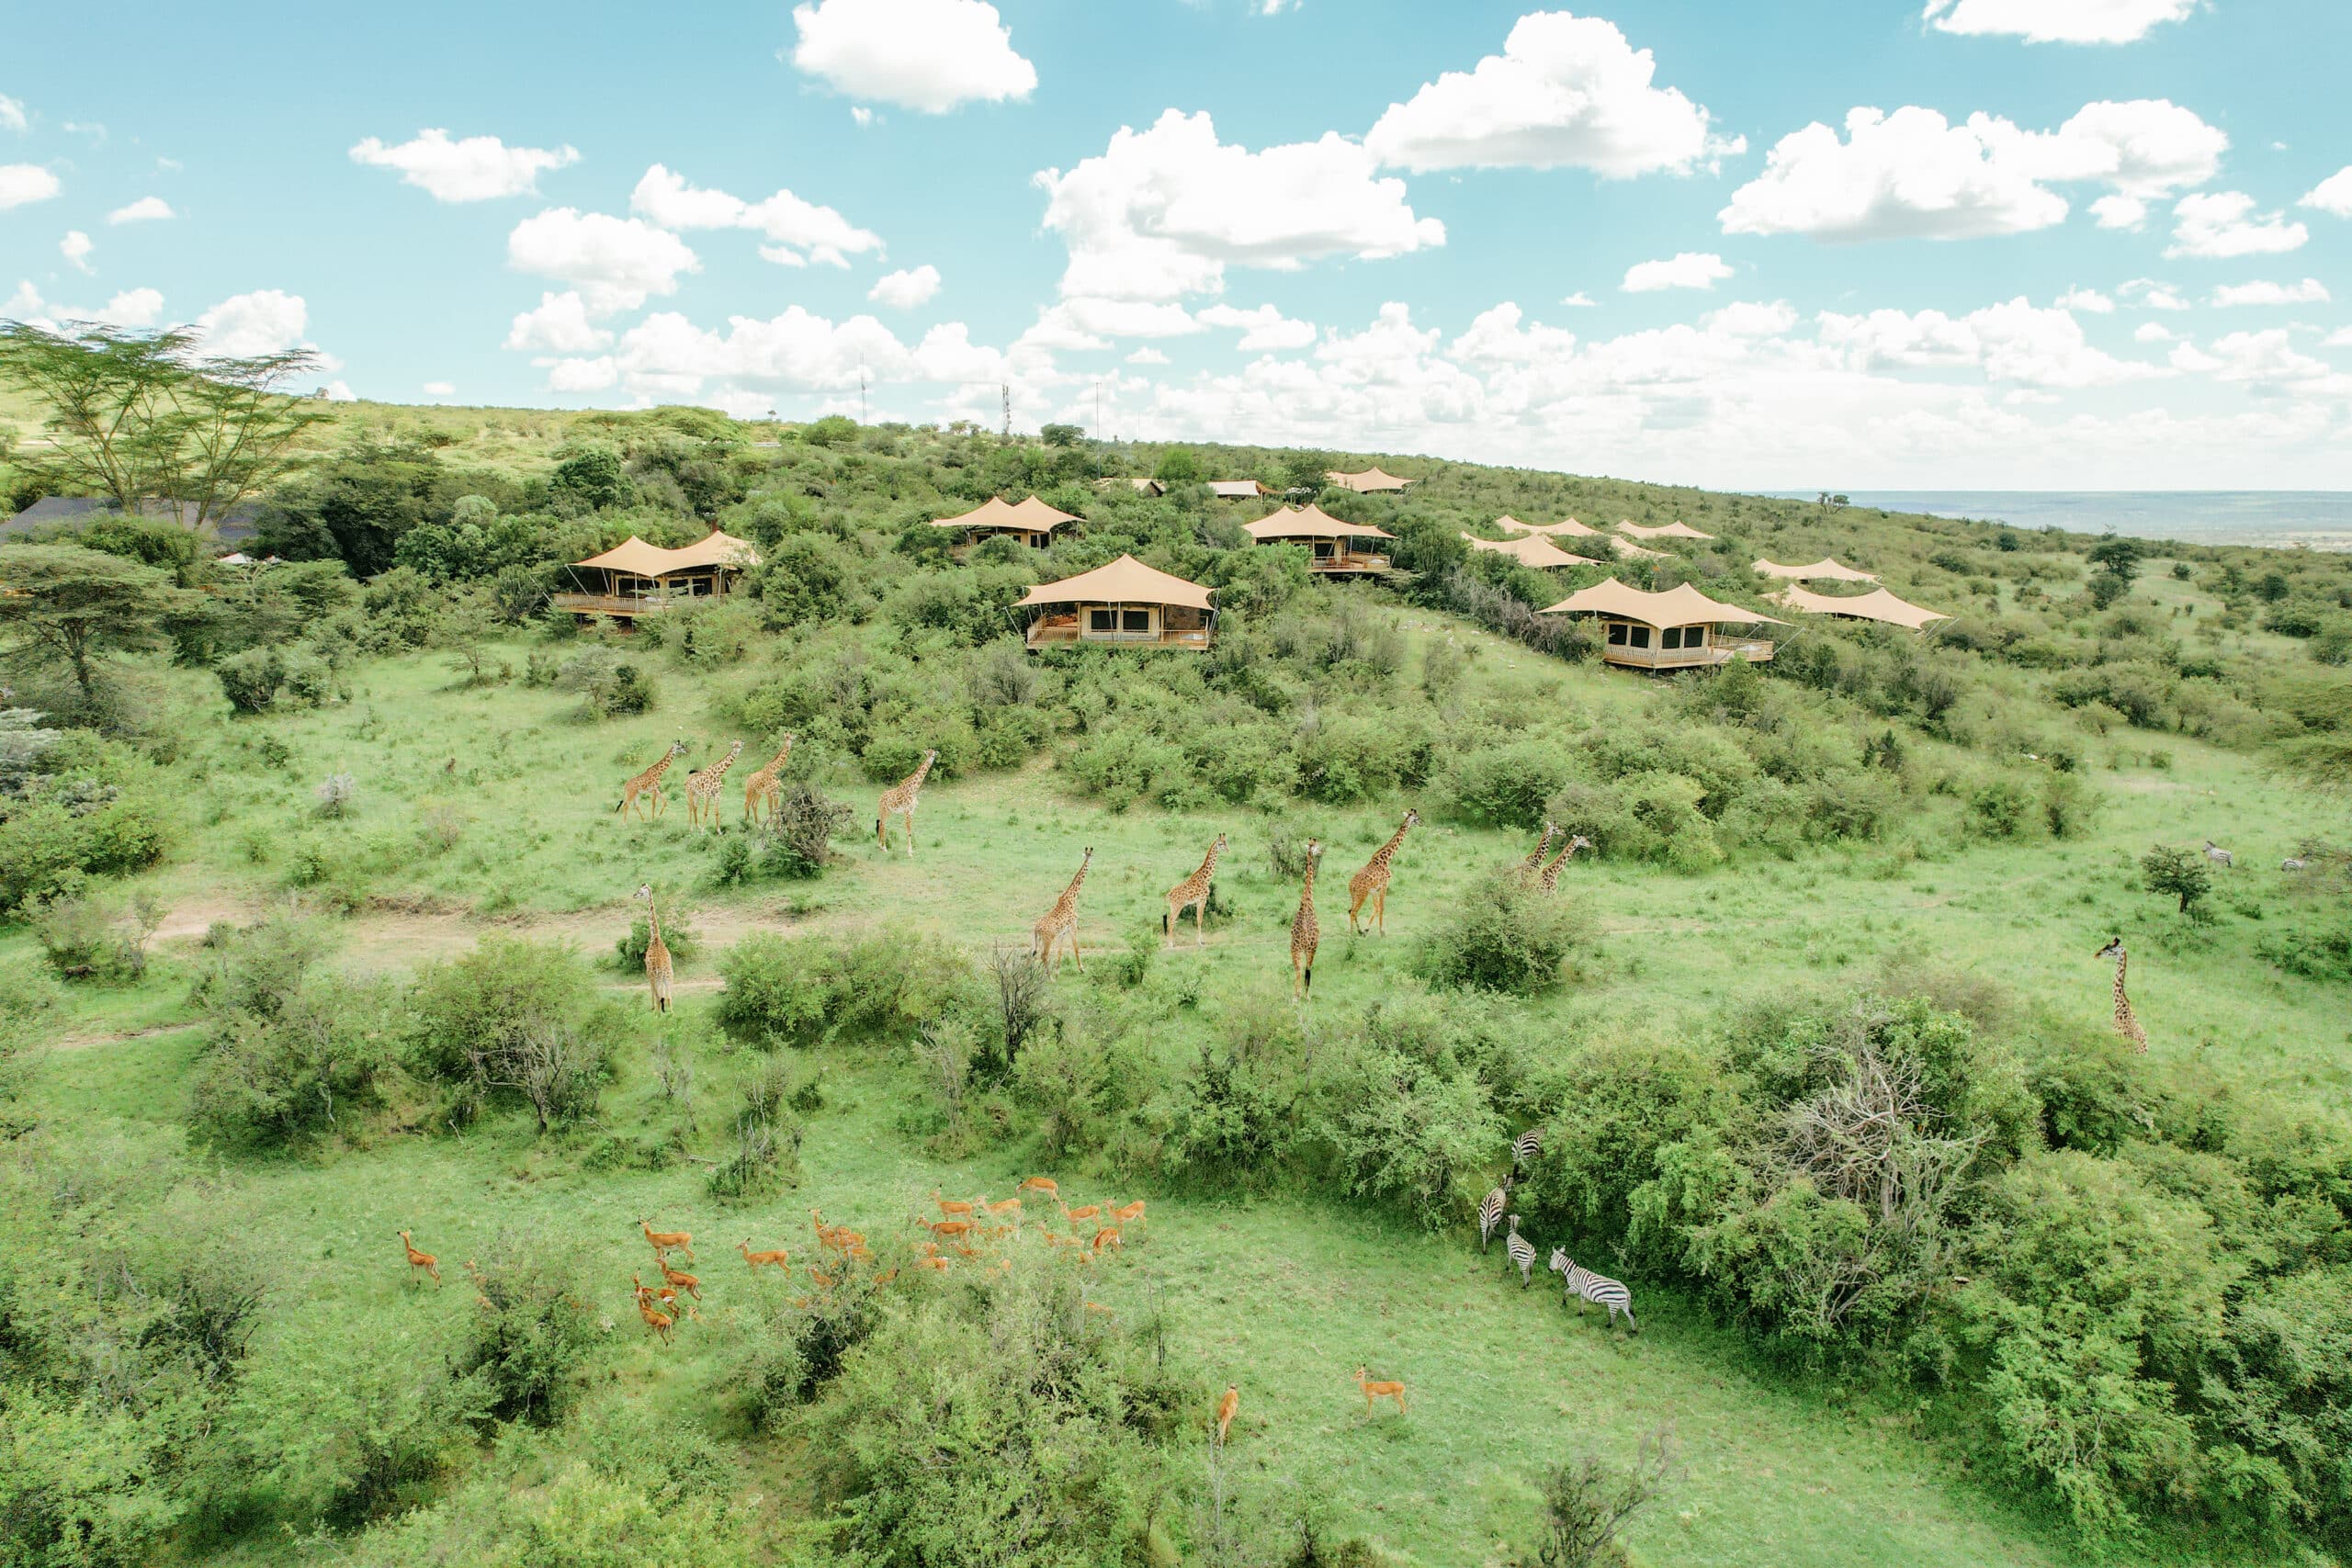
x=1331, y=543
x=1825, y=569
x=1122, y=604
x=1877, y=605
x=1030, y=521
x=635, y=578
x=1237, y=490
x=1674, y=630
x=1675, y=530
x=1566, y=527
x=1528, y=549
x=1372, y=481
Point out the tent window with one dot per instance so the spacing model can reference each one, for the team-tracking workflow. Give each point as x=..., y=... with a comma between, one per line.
x=1695, y=636
x=1616, y=633
x=1637, y=637
x=1101, y=620
x=1135, y=620
x=1670, y=637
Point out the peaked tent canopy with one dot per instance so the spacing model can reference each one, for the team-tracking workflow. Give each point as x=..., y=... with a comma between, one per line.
x=1566, y=525
x=1124, y=581
x=637, y=559
x=1309, y=522
x=1676, y=530
x=1824, y=569
x=1528, y=549
x=1368, y=481
x=1676, y=607
x=1627, y=549
x=1029, y=515
x=1237, y=490
x=1876, y=605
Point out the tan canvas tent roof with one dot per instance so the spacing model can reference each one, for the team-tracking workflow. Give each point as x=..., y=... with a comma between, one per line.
x=1237, y=490
x=1371, y=479
x=1676, y=607
x=1676, y=530
x=1030, y=516
x=1627, y=549
x=1566, y=525
x=1124, y=581
x=636, y=557
x=1876, y=605
x=1309, y=522
x=1528, y=549
x=1825, y=567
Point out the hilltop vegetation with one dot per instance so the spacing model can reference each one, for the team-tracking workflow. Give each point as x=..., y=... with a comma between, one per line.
x=1821, y=1059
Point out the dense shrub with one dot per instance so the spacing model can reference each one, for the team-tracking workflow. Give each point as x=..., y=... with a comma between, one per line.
x=515, y=1021
x=532, y=1330
x=1507, y=934
x=297, y=1073
x=814, y=990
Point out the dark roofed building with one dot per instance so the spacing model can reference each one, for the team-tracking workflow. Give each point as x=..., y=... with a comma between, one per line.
x=236, y=527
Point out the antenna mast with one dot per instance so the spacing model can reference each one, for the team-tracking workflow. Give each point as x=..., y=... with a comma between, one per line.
x=1004, y=390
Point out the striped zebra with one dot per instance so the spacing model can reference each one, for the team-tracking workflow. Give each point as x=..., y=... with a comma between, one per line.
x=1490, y=1213
x=1525, y=1147
x=1596, y=1288
x=1522, y=1253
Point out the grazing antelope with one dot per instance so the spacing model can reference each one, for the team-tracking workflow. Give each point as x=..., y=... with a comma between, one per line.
x=1009, y=1206
x=1109, y=1237
x=661, y=1323
x=1130, y=1215
x=668, y=1241
x=952, y=1208
x=938, y=1263
x=1522, y=1253
x=887, y=1275
x=1490, y=1213
x=1090, y=1211
x=1098, y=1309
x=1372, y=1390
x=423, y=1260
x=777, y=1256
x=1040, y=1184
x=481, y=1287
x=950, y=1229
x=1596, y=1288
x=2219, y=855
x=1226, y=1408
x=1524, y=1148
x=677, y=1281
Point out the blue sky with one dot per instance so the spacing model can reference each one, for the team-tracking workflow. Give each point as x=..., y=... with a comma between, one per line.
x=1909, y=243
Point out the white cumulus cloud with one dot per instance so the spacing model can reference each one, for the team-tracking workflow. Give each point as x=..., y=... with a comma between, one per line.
x=23, y=182
x=2263, y=291
x=131, y=308
x=2150, y=295
x=2223, y=223
x=2152, y=332
x=12, y=113
x=472, y=168
x=1262, y=329
x=440, y=388
x=2332, y=195
x=930, y=55
x=1147, y=354
x=1912, y=173
x=2089, y=300
x=146, y=209
x=2057, y=21
x=907, y=288
x=798, y=232
x=1690, y=269
x=559, y=326
x=75, y=248
x=1566, y=91
x=2016, y=341
x=1160, y=213
x=266, y=321
x=2119, y=211
x=614, y=262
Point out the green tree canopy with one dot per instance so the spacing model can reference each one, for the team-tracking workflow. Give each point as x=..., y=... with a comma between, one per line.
x=63, y=602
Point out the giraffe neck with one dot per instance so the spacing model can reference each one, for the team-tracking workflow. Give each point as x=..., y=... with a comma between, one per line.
x=920, y=773
x=1542, y=844
x=1389, y=849
x=1306, y=893
x=2122, y=1003
x=1070, y=894
x=663, y=765
x=652, y=925
x=718, y=769
x=1209, y=868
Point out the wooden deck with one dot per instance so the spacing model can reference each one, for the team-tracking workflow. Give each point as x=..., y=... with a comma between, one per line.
x=627, y=606
x=1754, y=650
x=1342, y=566
x=1042, y=636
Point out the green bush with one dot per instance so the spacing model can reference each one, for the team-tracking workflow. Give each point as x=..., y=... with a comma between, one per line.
x=296, y=1074
x=532, y=1332
x=1410, y=1133
x=515, y=1021
x=250, y=680
x=814, y=990
x=1505, y=934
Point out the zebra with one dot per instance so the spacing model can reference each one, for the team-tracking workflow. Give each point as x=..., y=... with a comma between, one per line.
x=2293, y=863
x=1523, y=1252
x=1490, y=1213
x=1525, y=1147
x=1592, y=1287
x=2219, y=855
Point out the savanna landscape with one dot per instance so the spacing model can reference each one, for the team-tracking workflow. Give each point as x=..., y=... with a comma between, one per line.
x=373, y=1195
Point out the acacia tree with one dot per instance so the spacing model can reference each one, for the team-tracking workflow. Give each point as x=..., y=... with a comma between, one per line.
x=65, y=601
x=144, y=417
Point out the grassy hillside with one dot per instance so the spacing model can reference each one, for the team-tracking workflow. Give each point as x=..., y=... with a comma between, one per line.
x=1960, y=819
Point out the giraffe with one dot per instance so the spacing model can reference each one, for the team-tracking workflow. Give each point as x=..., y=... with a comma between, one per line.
x=1304, y=933
x=1534, y=862
x=762, y=785
x=648, y=782
x=1060, y=921
x=657, y=972
x=2127, y=1022
x=1193, y=891
x=702, y=788
x=1550, y=880
x=899, y=800
x=1372, y=882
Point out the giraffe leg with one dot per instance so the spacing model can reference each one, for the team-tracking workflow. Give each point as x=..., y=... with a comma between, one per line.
x=1379, y=910
x=911, y=833
x=1352, y=907
x=1074, y=953
x=1200, y=922
x=1294, y=996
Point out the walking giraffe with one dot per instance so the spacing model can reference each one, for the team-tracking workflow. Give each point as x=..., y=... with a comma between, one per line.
x=1550, y=880
x=1372, y=882
x=2127, y=1022
x=1193, y=893
x=763, y=786
x=899, y=800
x=648, y=782
x=658, y=971
x=1060, y=921
x=1304, y=933
x=1535, y=862
x=702, y=788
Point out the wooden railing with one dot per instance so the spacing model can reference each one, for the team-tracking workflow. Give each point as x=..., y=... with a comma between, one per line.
x=1754, y=650
x=626, y=604
x=1042, y=636
x=1356, y=561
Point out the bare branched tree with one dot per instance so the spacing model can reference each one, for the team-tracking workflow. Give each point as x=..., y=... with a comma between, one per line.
x=1588, y=1501
x=1022, y=997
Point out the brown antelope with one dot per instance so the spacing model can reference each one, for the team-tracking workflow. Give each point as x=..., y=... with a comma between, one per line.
x=481, y=1287
x=937, y=1263
x=677, y=1281
x=668, y=1241
x=1098, y=1309
x=951, y=1208
x=1009, y=1206
x=669, y=1300
x=1372, y=1390
x=1089, y=1211
x=828, y=1281
x=1040, y=1184
x=661, y=1323
x=1108, y=1236
x=949, y=1228
x=887, y=1275
x=824, y=1231
x=777, y=1256
x=423, y=1260
x=1226, y=1408
x=1130, y=1215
